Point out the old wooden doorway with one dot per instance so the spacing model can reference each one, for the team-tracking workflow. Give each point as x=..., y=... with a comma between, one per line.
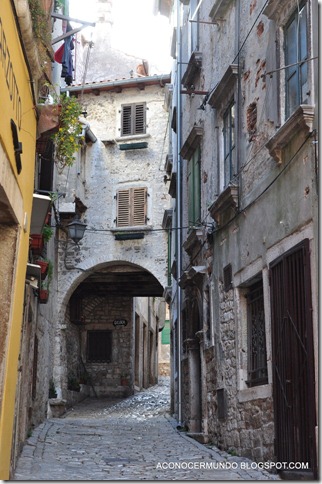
x=293, y=358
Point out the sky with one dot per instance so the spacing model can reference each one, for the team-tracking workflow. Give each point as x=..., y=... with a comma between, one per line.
x=136, y=31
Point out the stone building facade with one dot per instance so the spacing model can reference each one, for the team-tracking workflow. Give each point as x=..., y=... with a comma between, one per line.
x=109, y=284
x=243, y=118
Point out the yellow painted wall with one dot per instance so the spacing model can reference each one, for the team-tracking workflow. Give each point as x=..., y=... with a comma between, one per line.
x=16, y=102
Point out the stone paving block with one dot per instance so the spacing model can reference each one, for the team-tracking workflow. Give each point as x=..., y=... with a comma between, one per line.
x=114, y=442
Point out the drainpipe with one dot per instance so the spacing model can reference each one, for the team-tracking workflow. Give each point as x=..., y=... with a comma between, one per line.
x=238, y=103
x=179, y=206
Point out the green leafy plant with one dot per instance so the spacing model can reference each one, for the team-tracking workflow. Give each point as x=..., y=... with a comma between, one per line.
x=73, y=383
x=69, y=137
x=40, y=25
x=47, y=232
x=46, y=283
x=52, y=389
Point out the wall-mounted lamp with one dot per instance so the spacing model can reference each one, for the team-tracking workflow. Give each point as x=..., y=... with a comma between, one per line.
x=76, y=230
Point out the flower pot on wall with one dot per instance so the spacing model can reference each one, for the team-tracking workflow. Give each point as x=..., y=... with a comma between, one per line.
x=43, y=296
x=37, y=243
x=43, y=268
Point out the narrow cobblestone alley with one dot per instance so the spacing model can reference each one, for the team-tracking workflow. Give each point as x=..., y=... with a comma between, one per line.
x=129, y=439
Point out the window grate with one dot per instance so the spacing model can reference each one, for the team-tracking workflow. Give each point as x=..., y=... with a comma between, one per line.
x=99, y=346
x=257, y=360
x=228, y=278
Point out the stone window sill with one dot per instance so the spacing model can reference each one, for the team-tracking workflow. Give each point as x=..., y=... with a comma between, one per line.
x=301, y=121
x=218, y=10
x=132, y=137
x=192, y=142
x=224, y=87
x=192, y=70
x=194, y=239
x=226, y=205
x=254, y=393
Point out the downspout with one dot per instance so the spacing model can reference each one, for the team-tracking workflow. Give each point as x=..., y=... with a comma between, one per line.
x=179, y=208
x=238, y=163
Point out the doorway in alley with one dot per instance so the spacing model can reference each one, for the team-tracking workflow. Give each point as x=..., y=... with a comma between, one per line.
x=293, y=357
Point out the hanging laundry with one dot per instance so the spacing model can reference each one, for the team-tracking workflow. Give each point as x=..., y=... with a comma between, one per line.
x=63, y=56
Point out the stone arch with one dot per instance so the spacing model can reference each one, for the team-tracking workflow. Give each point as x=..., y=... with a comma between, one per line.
x=76, y=283
x=73, y=279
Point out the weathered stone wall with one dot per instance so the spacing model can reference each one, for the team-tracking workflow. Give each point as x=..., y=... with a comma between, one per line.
x=98, y=313
x=274, y=210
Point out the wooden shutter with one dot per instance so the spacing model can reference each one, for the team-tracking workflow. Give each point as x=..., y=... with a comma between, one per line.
x=139, y=206
x=139, y=118
x=123, y=208
x=133, y=119
x=126, y=120
x=131, y=207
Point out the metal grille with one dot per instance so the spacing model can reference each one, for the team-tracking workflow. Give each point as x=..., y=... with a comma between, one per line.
x=293, y=359
x=257, y=361
x=228, y=277
x=99, y=346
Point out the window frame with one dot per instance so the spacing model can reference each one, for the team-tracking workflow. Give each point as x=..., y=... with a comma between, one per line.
x=133, y=119
x=194, y=187
x=297, y=74
x=108, y=342
x=228, y=131
x=256, y=356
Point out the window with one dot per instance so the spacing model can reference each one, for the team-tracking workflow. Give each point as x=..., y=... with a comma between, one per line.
x=257, y=360
x=133, y=119
x=229, y=143
x=193, y=26
x=296, y=55
x=194, y=210
x=228, y=277
x=131, y=207
x=99, y=346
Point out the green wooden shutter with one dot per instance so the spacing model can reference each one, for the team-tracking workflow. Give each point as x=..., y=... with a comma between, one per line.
x=165, y=334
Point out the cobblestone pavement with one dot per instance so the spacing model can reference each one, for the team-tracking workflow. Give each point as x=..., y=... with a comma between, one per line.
x=129, y=439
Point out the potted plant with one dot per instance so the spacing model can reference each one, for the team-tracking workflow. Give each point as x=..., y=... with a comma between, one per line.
x=44, y=265
x=52, y=389
x=124, y=380
x=43, y=294
x=47, y=233
x=37, y=243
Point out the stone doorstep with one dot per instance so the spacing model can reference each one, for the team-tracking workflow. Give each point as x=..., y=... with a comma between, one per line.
x=199, y=437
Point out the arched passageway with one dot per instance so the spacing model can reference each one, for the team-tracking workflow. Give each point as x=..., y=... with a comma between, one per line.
x=112, y=318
